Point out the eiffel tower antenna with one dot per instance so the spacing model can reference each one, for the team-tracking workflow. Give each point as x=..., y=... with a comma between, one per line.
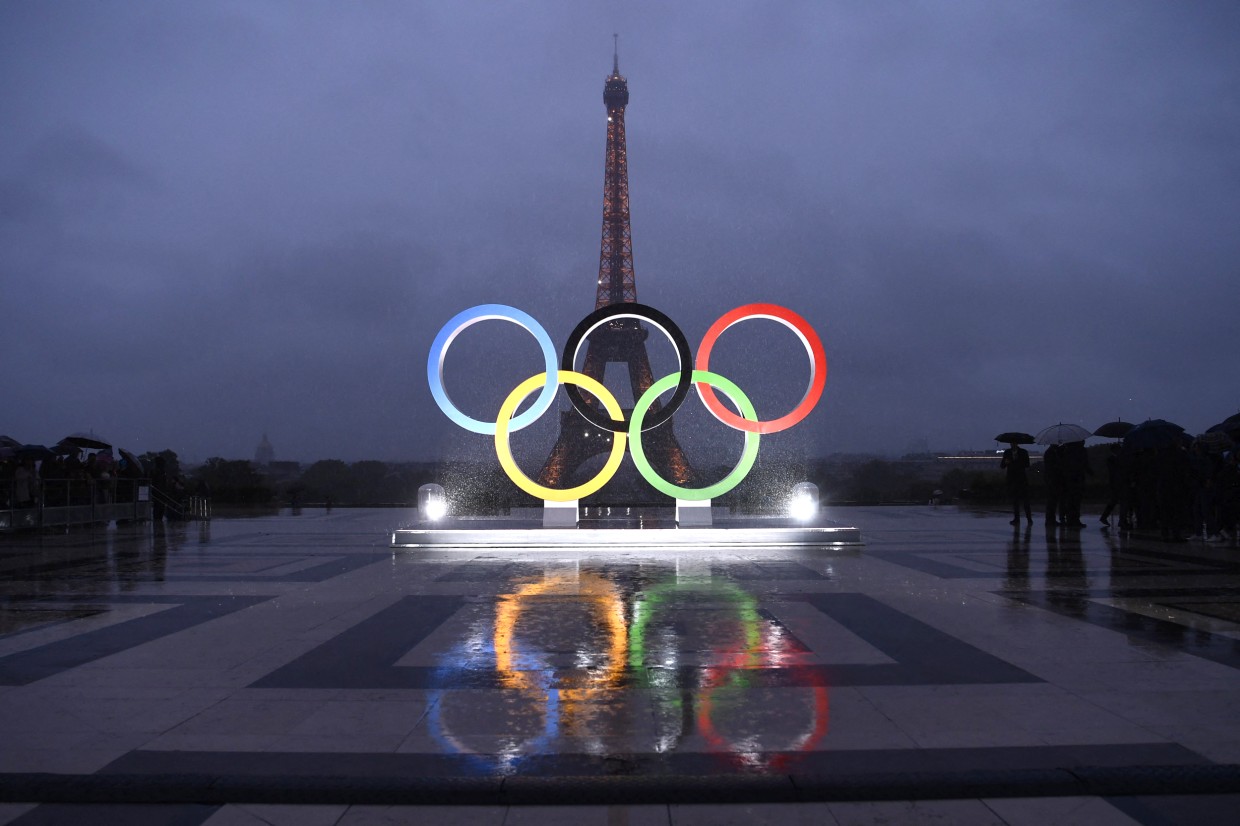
x=615, y=55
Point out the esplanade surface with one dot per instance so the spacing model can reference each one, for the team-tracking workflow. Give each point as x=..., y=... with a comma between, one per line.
x=296, y=669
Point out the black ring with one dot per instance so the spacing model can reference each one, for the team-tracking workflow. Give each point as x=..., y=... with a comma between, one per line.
x=631, y=310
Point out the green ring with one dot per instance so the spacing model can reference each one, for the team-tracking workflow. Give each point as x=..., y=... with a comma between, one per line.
x=748, y=455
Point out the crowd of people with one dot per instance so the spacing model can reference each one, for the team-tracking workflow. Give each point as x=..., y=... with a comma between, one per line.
x=76, y=478
x=85, y=478
x=1180, y=489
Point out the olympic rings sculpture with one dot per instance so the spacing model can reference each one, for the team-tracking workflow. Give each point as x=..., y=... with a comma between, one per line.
x=627, y=432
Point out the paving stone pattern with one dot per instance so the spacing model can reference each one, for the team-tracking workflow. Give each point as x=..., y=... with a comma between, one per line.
x=296, y=669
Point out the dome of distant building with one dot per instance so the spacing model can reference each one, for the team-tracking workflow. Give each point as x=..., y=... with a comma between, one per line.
x=265, y=453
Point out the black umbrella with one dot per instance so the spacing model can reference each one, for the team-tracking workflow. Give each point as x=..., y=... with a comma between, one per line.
x=37, y=452
x=1015, y=436
x=1154, y=433
x=1230, y=426
x=133, y=460
x=89, y=441
x=9, y=441
x=1114, y=430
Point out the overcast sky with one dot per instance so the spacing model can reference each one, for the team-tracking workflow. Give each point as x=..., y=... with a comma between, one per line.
x=224, y=219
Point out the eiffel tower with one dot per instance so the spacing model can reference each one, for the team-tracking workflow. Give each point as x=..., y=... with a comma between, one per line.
x=622, y=341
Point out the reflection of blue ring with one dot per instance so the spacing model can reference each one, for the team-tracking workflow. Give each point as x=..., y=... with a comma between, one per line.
x=609, y=313
x=449, y=331
x=459, y=662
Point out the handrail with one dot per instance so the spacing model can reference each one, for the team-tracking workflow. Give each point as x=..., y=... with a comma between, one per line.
x=66, y=502
x=191, y=507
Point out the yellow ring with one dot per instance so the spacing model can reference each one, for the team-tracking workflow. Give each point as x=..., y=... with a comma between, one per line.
x=504, y=452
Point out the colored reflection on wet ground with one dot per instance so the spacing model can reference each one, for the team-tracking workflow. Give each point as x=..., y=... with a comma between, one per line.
x=301, y=650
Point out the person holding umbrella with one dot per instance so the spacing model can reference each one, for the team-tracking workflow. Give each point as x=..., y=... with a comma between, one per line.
x=25, y=483
x=1119, y=473
x=1074, y=462
x=1061, y=465
x=1015, y=462
x=1052, y=475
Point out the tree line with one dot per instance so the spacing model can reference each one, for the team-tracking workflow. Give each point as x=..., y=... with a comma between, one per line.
x=478, y=487
x=241, y=482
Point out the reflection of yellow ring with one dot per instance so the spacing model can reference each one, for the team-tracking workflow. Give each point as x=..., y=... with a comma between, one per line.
x=504, y=452
x=604, y=599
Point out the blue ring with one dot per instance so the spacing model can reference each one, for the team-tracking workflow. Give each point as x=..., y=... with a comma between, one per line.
x=463, y=319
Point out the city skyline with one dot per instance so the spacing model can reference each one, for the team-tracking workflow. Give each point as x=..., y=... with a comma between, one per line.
x=221, y=221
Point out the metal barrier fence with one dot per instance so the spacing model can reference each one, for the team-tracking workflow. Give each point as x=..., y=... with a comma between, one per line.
x=67, y=502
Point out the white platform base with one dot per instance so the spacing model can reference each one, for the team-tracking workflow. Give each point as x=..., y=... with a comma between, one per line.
x=560, y=514
x=690, y=514
x=525, y=532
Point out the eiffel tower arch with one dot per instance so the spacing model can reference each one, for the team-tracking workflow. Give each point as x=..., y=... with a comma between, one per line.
x=622, y=341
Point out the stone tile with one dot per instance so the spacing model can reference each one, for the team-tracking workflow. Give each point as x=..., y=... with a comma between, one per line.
x=1171, y=673
x=123, y=678
x=1187, y=706
x=210, y=742
x=33, y=713
x=254, y=814
x=1061, y=811
x=270, y=694
x=11, y=811
x=252, y=717
x=963, y=716
x=390, y=669
x=109, y=615
x=342, y=743
x=18, y=742
x=423, y=816
x=946, y=812
x=240, y=816
x=85, y=757
x=1219, y=746
x=362, y=717
x=587, y=816
x=407, y=695
x=757, y=814
x=1171, y=808
x=827, y=639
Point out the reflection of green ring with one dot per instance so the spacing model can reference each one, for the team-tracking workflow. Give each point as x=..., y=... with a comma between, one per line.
x=654, y=597
x=748, y=455
x=666, y=689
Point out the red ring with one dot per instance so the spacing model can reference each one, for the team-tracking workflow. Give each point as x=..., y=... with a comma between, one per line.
x=813, y=348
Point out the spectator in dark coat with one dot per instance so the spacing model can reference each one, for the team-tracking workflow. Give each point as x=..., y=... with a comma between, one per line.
x=1052, y=470
x=1119, y=479
x=1016, y=462
x=1074, y=463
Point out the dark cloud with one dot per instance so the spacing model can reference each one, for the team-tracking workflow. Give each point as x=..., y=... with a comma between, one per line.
x=222, y=220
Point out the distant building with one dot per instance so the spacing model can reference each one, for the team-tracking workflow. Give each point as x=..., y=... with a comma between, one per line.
x=265, y=454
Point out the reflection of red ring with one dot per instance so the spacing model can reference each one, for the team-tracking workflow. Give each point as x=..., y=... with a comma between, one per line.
x=806, y=742
x=813, y=347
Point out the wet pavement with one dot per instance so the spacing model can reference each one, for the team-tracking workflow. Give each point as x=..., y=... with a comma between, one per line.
x=952, y=670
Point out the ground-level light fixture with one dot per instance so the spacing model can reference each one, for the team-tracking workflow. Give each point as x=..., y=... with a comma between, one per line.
x=432, y=503
x=803, y=504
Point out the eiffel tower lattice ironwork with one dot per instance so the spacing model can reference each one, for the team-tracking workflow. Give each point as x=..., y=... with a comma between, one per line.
x=623, y=340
